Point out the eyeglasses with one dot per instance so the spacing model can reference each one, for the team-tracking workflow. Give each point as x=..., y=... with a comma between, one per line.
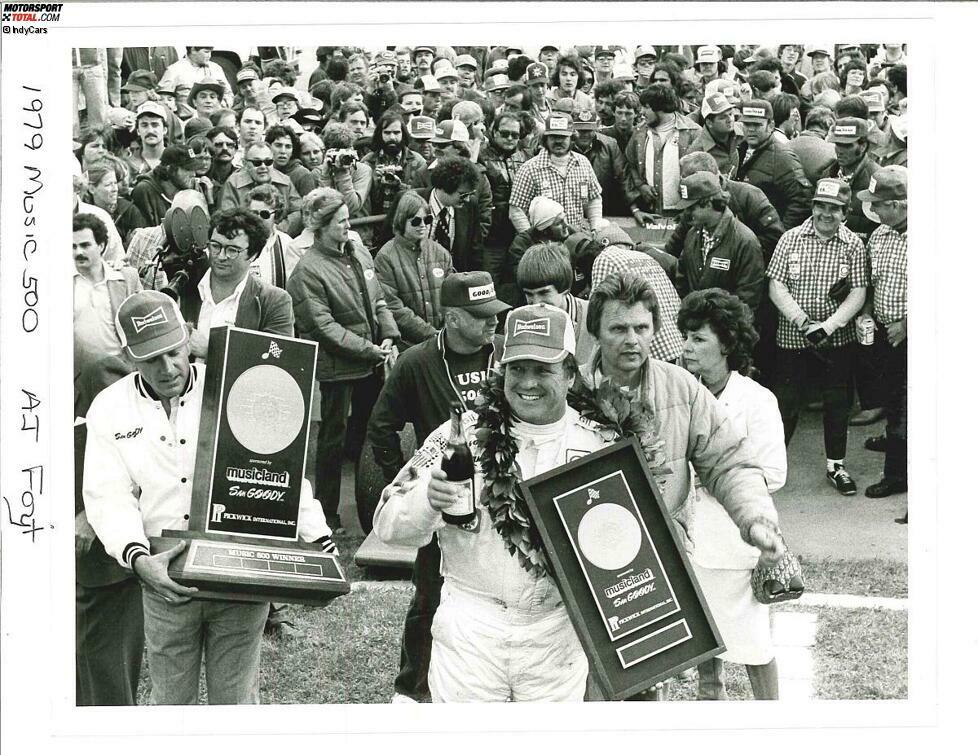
x=215, y=248
x=509, y=134
x=263, y=214
x=417, y=222
x=258, y=163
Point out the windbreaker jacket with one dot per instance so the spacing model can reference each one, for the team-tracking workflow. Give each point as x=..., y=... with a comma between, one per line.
x=339, y=302
x=775, y=169
x=726, y=155
x=686, y=132
x=411, y=279
x=262, y=307
x=734, y=263
x=500, y=172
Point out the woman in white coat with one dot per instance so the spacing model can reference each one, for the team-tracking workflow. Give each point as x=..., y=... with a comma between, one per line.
x=719, y=340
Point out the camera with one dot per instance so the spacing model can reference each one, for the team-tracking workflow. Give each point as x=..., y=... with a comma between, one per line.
x=384, y=77
x=389, y=174
x=181, y=268
x=343, y=158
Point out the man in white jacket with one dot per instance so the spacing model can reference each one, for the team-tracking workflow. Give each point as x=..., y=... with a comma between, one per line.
x=139, y=470
x=501, y=631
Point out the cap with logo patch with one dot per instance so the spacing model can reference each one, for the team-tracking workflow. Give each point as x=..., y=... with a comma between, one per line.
x=474, y=292
x=600, y=51
x=430, y=84
x=148, y=324
x=887, y=183
x=645, y=51
x=848, y=131
x=832, y=191
x=539, y=333
x=715, y=104
x=700, y=185
x=873, y=100
x=450, y=131
x=708, y=54
x=536, y=73
x=385, y=58
x=725, y=87
x=497, y=82
x=421, y=128
x=446, y=71
x=558, y=125
x=178, y=156
x=756, y=110
x=585, y=120
x=151, y=108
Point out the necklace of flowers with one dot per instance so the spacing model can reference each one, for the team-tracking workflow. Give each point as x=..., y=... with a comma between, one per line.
x=618, y=412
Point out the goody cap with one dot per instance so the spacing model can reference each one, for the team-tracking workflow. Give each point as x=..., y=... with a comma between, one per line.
x=558, y=124
x=538, y=332
x=886, y=184
x=696, y=186
x=832, y=191
x=756, y=110
x=848, y=131
x=873, y=100
x=474, y=292
x=149, y=323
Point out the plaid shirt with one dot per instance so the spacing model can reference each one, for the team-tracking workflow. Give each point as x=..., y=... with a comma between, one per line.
x=888, y=271
x=667, y=343
x=809, y=267
x=573, y=191
x=143, y=247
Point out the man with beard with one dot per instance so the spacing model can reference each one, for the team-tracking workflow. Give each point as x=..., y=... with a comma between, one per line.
x=151, y=131
x=285, y=153
x=606, y=160
x=501, y=631
x=394, y=166
x=604, y=100
x=258, y=169
x=205, y=97
x=771, y=166
x=425, y=380
x=224, y=147
x=855, y=165
x=502, y=160
x=559, y=174
x=405, y=69
x=153, y=191
x=718, y=137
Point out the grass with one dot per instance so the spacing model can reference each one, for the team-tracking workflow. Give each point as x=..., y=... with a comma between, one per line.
x=873, y=578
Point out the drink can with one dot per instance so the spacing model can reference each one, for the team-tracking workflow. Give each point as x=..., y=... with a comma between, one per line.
x=865, y=331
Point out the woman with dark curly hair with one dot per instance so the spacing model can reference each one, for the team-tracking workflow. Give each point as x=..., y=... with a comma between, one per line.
x=854, y=76
x=719, y=340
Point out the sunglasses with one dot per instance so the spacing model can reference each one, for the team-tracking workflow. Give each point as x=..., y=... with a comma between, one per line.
x=264, y=214
x=509, y=134
x=258, y=163
x=417, y=222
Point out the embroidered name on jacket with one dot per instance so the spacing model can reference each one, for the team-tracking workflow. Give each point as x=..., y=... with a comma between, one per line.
x=131, y=434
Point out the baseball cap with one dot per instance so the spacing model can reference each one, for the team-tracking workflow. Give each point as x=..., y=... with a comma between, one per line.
x=514, y=48
x=195, y=126
x=754, y=110
x=725, y=87
x=536, y=73
x=430, y=84
x=558, y=124
x=474, y=292
x=421, y=127
x=446, y=71
x=886, y=183
x=286, y=93
x=466, y=60
x=149, y=323
x=697, y=186
x=564, y=105
x=211, y=85
x=847, y=131
x=579, y=243
x=307, y=116
x=246, y=74
x=497, y=82
x=450, y=131
x=500, y=65
x=832, y=191
x=623, y=72
x=140, y=80
x=708, y=54
x=613, y=235
x=873, y=100
x=549, y=47
x=422, y=48
x=819, y=50
x=151, y=108
x=385, y=58
x=898, y=125
x=538, y=332
x=178, y=156
x=643, y=51
x=715, y=104
x=602, y=51
x=585, y=120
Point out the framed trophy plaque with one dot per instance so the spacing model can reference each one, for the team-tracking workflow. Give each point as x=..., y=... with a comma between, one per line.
x=623, y=573
x=251, y=452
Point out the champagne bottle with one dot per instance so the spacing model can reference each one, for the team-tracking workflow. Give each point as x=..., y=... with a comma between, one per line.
x=457, y=463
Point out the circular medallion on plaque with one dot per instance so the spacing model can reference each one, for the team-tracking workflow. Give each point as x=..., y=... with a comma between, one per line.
x=265, y=409
x=609, y=536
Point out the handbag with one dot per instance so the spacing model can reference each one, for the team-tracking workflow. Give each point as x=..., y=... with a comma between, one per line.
x=778, y=583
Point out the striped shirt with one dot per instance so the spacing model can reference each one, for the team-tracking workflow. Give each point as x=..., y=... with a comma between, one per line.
x=888, y=272
x=667, y=343
x=810, y=266
x=573, y=190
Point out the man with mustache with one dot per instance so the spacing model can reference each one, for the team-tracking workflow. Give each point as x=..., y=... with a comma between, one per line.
x=224, y=147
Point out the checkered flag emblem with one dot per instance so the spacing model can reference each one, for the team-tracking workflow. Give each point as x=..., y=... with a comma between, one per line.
x=6, y=16
x=273, y=350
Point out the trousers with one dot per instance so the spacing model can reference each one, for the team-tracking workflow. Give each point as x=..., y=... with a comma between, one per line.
x=108, y=643
x=894, y=359
x=225, y=633
x=412, y=678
